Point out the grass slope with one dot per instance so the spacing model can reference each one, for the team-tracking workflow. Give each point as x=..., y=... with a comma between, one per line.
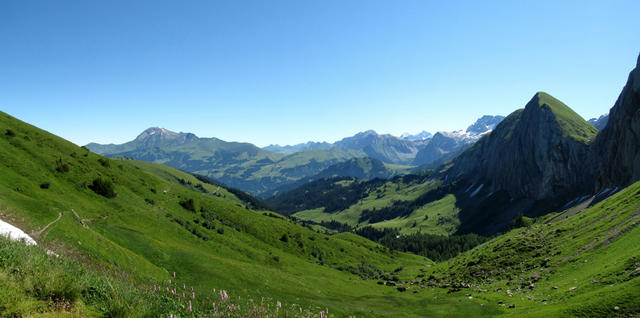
x=310, y=203
x=579, y=263
x=145, y=231
x=572, y=124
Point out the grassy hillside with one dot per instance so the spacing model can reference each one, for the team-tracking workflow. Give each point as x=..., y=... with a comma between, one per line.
x=578, y=263
x=402, y=202
x=572, y=124
x=111, y=215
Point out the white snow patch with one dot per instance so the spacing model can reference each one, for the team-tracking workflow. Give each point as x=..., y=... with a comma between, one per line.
x=569, y=204
x=477, y=190
x=603, y=192
x=15, y=234
x=469, y=188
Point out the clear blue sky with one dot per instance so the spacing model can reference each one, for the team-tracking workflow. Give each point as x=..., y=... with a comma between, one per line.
x=291, y=71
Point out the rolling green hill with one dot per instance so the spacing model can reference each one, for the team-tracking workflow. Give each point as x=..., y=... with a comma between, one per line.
x=109, y=214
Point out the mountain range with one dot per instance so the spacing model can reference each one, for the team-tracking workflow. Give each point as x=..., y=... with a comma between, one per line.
x=541, y=158
x=263, y=172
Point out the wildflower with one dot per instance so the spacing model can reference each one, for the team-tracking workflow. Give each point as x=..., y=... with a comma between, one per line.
x=193, y=295
x=223, y=295
x=279, y=304
x=189, y=305
x=174, y=274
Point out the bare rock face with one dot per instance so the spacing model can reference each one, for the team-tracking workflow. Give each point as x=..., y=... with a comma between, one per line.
x=617, y=147
x=160, y=137
x=534, y=153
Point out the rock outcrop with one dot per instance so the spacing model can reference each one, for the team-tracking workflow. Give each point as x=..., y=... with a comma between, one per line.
x=617, y=147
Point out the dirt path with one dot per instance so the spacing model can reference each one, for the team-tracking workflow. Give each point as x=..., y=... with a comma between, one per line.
x=38, y=233
x=81, y=220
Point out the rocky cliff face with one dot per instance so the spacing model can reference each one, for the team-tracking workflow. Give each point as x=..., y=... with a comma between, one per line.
x=484, y=124
x=442, y=147
x=386, y=148
x=534, y=153
x=617, y=147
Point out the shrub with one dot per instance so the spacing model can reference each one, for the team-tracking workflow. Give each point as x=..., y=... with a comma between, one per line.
x=220, y=231
x=149, y=201
x=104, y=162
x=188, y=204
x=45, y=185
x=10, y=133
x=103, y=187
x=61, y=166
x=284, y=238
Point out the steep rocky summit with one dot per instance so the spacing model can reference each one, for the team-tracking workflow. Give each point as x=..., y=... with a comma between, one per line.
x=485, y=124
x=160, y=137
x=537, y=152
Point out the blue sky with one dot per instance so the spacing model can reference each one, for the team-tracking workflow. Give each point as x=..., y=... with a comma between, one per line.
x=291, y=71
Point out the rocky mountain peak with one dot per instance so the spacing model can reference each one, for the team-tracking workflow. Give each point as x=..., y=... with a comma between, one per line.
x=159, y=137
x=528, y=154
x=157, y=132
x=484, y=124
x=369, y=132
x=599, y=122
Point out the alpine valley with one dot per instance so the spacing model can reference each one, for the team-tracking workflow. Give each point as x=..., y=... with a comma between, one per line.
x=265, y=172
x=535, y=214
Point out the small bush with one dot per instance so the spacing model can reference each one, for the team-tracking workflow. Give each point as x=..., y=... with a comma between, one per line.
x=188, y=204
x=104, y=162
x=284, y=238
x=220, y=231
x=45, y=185
x=10, y=133
x=149, y=201
x=61, y=166
x=103, y=187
